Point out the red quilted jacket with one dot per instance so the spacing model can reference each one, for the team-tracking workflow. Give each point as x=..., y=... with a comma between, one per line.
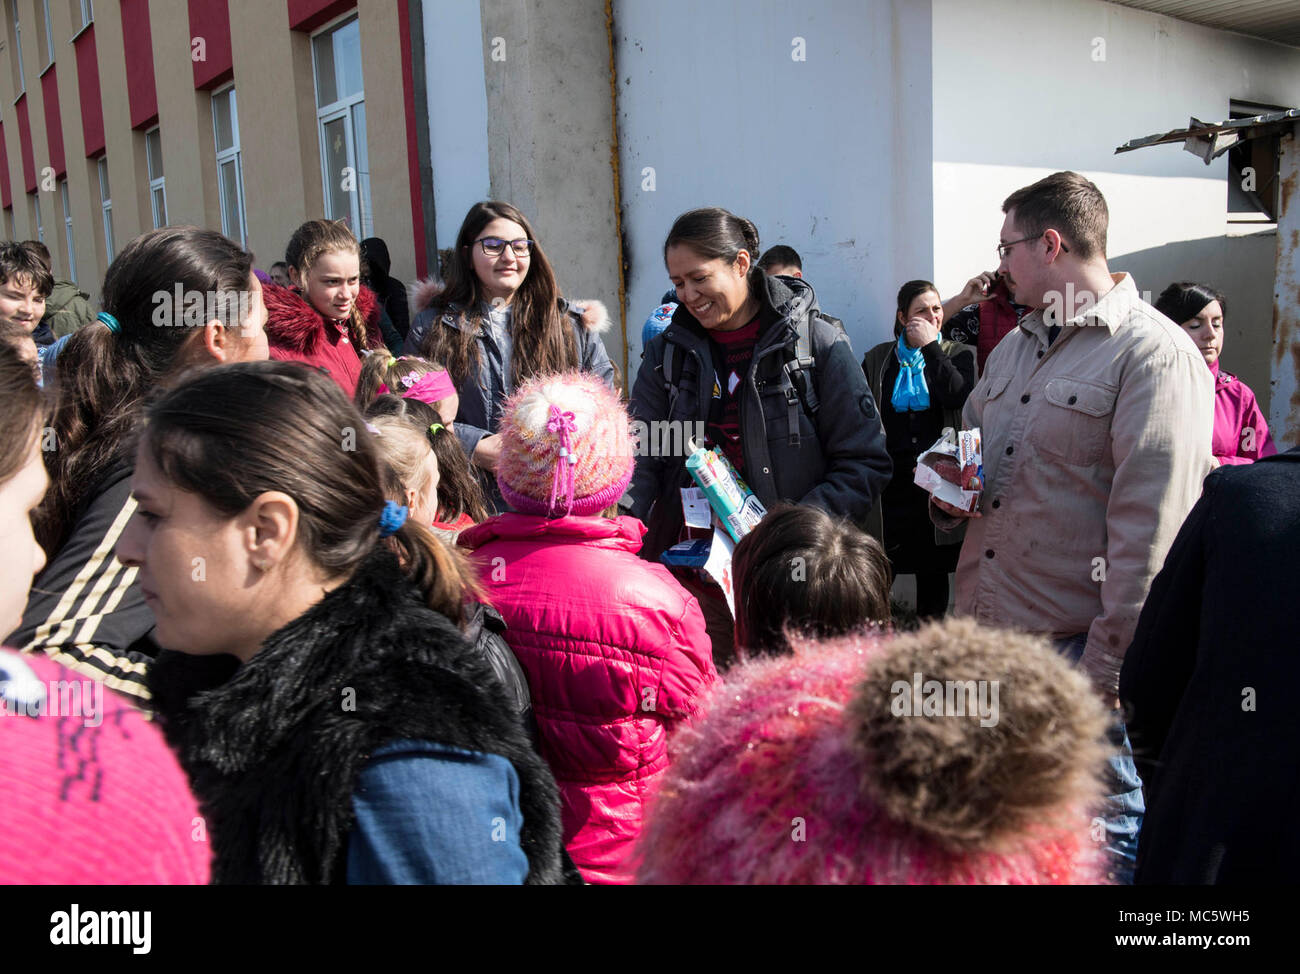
x=616, y=655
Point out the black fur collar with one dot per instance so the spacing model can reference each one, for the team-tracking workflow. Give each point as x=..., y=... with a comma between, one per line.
x=273, y=748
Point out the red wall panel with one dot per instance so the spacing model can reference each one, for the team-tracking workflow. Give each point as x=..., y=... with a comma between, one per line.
x=138, y=49
x=92, y=106
x=6, y=200
x=25, y=144
x=310, y=14
x=210, y=20
x=53, y=121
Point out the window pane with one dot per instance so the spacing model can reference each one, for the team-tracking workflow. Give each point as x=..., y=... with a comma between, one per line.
x=104, y=193
x=153, y=143
x=159, y=207
x=326, y=89
x=335, y=150
x=223, y=120
x=230, y=222
x=347, y=58
x=108, y=232
x=363, y=168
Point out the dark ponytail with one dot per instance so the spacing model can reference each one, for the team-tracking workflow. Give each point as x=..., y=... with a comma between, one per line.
x=717, y=234
x=232, y=433
x=102, y=378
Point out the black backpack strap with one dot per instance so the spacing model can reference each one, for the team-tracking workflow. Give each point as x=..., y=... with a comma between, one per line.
x=801, y=385
x=671, y=368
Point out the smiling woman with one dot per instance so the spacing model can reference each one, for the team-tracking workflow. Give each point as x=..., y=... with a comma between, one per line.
x=499, y=320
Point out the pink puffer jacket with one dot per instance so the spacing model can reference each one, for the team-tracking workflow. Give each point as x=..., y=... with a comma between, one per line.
x=616, y=654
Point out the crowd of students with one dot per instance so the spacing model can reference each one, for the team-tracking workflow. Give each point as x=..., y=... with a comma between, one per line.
x=387, y=575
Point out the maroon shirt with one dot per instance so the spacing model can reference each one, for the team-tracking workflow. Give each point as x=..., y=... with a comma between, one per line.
x=732, y=352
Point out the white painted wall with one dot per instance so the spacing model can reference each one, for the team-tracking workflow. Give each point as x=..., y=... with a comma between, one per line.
x=830, y=155
x=458, y=118
x=1018, y=95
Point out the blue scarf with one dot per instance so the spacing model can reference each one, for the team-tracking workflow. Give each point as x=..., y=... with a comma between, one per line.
x=910, y=391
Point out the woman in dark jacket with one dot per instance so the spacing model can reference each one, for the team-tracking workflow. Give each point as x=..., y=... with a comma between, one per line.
x=335, y=724
x=921, y=383
x=762, y=374
x=1207, y=687
x=499, y=320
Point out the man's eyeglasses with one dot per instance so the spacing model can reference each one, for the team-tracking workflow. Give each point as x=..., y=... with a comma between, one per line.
x=495, y=246
x=1004, y=249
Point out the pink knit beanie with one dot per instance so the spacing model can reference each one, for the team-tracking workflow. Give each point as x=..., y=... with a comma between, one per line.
x=848, y=763
x=92, y=794
x=566, y=446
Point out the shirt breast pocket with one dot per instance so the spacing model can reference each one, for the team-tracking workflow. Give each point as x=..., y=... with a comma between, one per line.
x=1074, y=427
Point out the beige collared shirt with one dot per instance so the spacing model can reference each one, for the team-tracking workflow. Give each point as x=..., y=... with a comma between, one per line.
x=1095, y=447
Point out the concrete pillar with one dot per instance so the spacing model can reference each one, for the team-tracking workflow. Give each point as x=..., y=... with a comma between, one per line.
x=128, y=172
x=185, y=122
x=550, y=140
x=277, y=125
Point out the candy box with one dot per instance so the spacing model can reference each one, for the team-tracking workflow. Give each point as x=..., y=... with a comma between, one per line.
x=953, y=469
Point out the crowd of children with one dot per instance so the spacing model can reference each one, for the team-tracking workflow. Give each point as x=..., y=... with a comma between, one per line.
x=393, y=593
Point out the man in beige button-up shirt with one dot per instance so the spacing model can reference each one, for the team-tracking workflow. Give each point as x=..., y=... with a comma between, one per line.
x=1096, y=437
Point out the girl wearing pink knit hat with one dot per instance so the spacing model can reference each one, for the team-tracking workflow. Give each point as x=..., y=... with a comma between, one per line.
x=615, y=649
x=953, y=755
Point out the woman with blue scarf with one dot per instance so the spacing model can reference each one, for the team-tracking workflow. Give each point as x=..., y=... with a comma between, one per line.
x=921, y=383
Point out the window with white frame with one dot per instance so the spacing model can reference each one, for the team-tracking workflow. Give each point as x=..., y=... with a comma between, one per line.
x=49, y=32
x=230, y=176
x=341, y=121
x=18, y=45
x=157, y=185
x=40, y=223
x=67, y=230
x=106, y=206
x=86, y=9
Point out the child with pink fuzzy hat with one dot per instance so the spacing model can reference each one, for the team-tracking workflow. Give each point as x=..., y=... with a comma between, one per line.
x=615, y=649
x=953, y=755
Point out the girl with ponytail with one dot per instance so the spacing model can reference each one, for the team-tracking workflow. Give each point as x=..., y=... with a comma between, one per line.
x=327, y=318
x=175, y=298
x=335, y=723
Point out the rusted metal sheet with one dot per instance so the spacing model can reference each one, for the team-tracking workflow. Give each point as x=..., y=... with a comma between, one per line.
x=1210, y=140
x=1284, y=411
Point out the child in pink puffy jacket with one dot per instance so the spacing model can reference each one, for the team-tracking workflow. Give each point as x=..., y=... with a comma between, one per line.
x=615, y=649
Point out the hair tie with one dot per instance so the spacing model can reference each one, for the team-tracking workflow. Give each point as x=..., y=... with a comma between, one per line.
x=110, y=321
x=435, y=427
x=391, y=362
x=429, y=388
x=392, y=518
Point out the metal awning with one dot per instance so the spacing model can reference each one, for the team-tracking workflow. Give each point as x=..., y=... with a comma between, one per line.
x=1211, y=140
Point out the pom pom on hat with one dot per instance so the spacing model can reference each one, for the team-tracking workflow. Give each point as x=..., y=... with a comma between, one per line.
x=564, y=436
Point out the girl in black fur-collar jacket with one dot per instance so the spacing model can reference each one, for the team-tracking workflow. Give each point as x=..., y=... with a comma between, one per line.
x=336, y=726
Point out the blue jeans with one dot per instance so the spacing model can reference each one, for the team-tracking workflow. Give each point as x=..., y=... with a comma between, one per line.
x=1124, y=803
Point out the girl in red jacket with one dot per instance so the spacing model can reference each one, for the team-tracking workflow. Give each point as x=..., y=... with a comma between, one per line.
x=328, y=319
x=615, y=649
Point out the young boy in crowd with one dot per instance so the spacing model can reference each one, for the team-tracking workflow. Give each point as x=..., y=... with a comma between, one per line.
x=25, y=283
